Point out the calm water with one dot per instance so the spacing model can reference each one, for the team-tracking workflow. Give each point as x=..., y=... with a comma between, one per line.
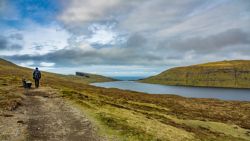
x=220, y=93
x=127, y=78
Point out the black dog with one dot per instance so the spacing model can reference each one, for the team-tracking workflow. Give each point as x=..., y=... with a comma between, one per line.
x=26, y=84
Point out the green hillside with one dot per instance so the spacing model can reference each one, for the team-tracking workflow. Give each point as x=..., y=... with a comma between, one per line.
x=233, y=74
x=131, y=116
x=15, y=72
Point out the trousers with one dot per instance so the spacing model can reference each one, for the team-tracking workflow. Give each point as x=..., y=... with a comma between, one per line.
x=37, y=83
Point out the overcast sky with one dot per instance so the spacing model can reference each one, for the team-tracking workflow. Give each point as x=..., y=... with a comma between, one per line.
x=120, y=37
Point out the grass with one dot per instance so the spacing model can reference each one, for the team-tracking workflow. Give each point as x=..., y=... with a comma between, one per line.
x=222, y=128
x=233, y=74
x=160, y=119
x=133, y=116
x=130, y=125
x=9, y=101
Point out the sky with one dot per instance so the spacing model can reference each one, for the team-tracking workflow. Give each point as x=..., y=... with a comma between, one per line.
x=122, y=38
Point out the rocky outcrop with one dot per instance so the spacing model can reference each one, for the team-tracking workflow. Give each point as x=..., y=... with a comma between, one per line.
x=82, y=74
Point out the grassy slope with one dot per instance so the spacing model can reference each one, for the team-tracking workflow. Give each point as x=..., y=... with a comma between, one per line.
x=18, y=72
x=234, y=74
x=137, y=116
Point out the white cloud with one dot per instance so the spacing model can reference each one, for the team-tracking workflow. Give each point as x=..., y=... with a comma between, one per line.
x=80, y=39
x=27, y=63
x=102, y=34
x=47, y=64
x=48, y=38
x=84, y=47
x=40, y=39
x=80, y=11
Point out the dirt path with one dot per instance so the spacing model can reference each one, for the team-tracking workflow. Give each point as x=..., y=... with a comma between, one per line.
x=46, y=117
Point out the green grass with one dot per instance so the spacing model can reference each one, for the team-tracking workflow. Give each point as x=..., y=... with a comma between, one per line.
x=125, y=123
x=233, y=74
x=131, y=118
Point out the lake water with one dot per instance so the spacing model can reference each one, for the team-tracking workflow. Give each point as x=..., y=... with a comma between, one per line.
x=128, y=78
x=198, y=92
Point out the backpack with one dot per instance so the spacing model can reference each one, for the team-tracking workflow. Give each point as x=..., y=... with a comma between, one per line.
x=36, y=74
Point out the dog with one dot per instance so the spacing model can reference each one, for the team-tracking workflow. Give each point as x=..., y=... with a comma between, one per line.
x=26, y=83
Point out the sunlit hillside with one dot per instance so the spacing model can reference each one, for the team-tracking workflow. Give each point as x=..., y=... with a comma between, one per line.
x=234, y=74
x=126, y=115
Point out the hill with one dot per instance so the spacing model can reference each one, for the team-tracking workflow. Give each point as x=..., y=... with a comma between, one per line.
x=116, y=114
x=14, y=72
x=233, y=74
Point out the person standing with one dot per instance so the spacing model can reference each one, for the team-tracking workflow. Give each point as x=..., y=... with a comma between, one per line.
x=36, y=77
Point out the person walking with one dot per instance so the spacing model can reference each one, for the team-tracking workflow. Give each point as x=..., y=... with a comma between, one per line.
x=36, y=77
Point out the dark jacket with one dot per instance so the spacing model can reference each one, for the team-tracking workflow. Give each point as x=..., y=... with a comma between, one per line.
x=36, y=74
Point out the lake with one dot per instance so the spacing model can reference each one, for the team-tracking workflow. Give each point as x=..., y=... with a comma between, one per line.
x=197, y=92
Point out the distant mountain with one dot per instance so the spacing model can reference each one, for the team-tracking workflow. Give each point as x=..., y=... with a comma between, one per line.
x=233, y=74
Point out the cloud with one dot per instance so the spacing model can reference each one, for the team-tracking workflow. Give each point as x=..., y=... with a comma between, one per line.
x=210, y=44
x=15, y=47
x=138, y=50
x=80, y=11
x=156, y=15
x=38, y=39
x=210, y=18
x=102, y=34
x=79, y=14
x=8, y=11
x=47, y=64
x=151, y=33
x=5, y=44
x=16, y=36
x=27, y=63
x=85, y=54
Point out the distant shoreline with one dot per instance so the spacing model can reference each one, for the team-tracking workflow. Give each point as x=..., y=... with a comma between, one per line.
x=128, y=78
